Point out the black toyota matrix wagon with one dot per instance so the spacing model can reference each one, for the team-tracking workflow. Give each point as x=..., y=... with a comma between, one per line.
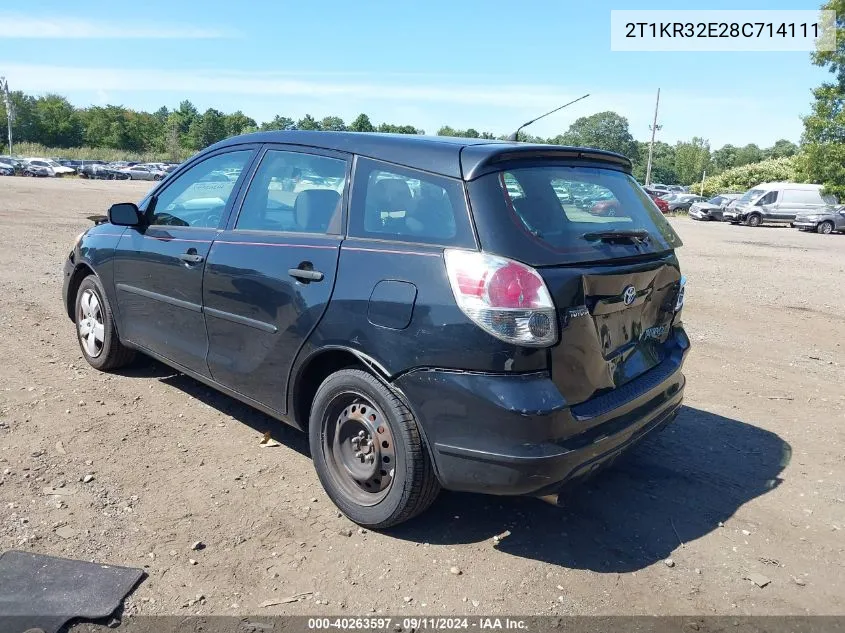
x=435, y=312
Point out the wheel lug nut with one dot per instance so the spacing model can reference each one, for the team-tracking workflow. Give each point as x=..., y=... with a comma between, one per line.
x=358, y=454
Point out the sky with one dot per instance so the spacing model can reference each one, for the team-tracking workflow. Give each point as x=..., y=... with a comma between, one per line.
x=488, y=65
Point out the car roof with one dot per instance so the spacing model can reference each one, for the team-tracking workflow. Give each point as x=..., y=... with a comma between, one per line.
x=791, y=185
x=456, y=157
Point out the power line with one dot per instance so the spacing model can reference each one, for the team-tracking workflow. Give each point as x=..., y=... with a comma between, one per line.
x=653, y=127
x=10, y=108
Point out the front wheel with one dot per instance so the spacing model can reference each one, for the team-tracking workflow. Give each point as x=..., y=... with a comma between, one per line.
x=368, y=452
x=754, y=220
x=95, y=328
x=825, y=228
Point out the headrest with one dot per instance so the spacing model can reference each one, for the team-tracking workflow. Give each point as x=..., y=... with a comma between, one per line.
x=392, y=194
x=314, y=208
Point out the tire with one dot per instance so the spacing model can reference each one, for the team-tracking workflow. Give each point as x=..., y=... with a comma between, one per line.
x=156, y=177
x=755, y=219
x=352, y=405
x=825, y=228
x=108, y=353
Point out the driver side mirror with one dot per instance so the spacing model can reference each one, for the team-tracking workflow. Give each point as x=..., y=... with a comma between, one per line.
x=125, y=214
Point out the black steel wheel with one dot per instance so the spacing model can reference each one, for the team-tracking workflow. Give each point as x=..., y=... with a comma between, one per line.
x=368, y=452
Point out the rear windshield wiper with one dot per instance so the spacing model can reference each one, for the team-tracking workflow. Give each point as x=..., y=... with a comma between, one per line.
x=637, y=236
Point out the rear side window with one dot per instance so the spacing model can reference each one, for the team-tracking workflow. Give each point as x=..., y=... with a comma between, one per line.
x=295, y=192
x=395, y=203
x=802, y=196
x=549, y=215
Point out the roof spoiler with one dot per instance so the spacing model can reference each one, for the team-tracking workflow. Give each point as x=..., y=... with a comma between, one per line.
x=475, y=166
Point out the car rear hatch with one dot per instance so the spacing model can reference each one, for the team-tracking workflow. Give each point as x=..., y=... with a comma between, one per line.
x=614, y=280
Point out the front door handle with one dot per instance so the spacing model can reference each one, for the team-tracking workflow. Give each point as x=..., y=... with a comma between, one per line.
x=305, y=275
x=191, y=258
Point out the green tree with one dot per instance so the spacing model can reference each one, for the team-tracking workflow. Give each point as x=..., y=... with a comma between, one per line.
x=238, y=123
x=207, y=129
x=724, y=158
x=603, y=130
x=361, y=124
x=751, y=153
x=58, y=123
x=691, y=160
x=332, y=124
x=25, y=127
x=823, y=142
x=781, y=149
x=307, y=122
x=662, y=163
x=279, y=123
x=390, y=128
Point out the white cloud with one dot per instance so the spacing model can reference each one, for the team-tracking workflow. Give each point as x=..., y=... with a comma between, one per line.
x=17, y=26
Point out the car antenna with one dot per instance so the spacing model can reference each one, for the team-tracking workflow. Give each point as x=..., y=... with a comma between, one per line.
x=515, y=135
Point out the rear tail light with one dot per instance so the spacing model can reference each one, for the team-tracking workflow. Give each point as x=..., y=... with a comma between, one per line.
x=503, y=297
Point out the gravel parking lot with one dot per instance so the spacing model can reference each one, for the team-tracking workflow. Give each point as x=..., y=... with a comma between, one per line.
x=748, y=485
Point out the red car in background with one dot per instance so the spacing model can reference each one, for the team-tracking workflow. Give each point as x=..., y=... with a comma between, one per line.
x=605, y=207
x=660, y=202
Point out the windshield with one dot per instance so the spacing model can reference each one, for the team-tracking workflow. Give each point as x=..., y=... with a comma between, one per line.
x=53, y=163
x=562, y=209
x=751, y=194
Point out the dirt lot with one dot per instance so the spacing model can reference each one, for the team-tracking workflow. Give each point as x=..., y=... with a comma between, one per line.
x=750, y=479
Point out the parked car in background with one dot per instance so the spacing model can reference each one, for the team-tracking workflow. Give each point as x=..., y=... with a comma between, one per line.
x=37, y=169
x=660, y=187
x=660, y=202
x=827, y=221
x=51, y=167
x=7, y=169
x=143, y=172
x=336, y=309
x=713, y=208
x=681, y=201
x=778, y=202
x=677, y=188
x=17, y=163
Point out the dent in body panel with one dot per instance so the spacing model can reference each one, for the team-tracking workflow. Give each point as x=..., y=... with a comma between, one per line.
x=604, y=343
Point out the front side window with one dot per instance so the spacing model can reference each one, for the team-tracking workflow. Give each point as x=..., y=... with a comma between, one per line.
x=198, y=197
x=751, y=194
x=295, y=192
x=395, y=203
x=769, y=198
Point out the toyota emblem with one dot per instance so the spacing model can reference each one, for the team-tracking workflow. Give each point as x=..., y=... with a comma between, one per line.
x=628, y=295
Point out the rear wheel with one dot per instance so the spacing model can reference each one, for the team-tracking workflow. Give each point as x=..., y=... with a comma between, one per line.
x=825, y=228
x=755, y=219
x=368, y=452
x=95, y=328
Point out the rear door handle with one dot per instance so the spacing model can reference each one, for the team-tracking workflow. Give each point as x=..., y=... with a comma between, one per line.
x=305, y=275
x=191, y=258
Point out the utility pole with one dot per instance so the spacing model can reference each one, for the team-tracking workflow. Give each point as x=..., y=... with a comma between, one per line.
x=7, y=101
x=654, y=128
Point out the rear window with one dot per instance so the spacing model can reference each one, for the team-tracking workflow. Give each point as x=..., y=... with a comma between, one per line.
x=552, y=214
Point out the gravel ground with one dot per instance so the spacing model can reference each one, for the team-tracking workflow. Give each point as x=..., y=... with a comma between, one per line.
x=134, y=468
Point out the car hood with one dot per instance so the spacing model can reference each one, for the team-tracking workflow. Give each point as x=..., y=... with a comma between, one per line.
x=705, y=205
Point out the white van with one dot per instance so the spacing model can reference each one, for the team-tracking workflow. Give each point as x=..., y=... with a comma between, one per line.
x=777, y=202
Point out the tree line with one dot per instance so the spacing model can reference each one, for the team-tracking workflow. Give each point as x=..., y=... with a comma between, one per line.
x=52, y=121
